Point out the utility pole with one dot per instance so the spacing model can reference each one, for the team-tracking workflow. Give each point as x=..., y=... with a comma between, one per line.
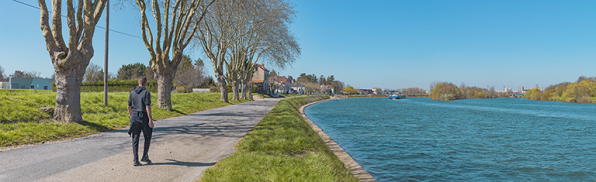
x=105, y=65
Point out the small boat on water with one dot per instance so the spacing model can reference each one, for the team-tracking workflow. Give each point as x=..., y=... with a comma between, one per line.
x=397, y=96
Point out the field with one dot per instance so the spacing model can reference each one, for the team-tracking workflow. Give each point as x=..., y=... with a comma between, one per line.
x=22, y=122
x=282, y=147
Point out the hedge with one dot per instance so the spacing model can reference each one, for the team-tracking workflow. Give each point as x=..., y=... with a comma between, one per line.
x=114, y=86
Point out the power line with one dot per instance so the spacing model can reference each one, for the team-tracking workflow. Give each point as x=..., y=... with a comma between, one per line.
x=111, y=30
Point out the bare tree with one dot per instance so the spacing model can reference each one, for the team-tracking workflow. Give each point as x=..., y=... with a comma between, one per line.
x=70, y=60
x=189, y=74
x=25, y=74
x=276, y=43
x=214, y=38
x=173, y=26
x=338, y=86
x=238, y=34
x=149, y=74
x=312, y=87
x=94, y=73
x=464, y=90
x=2, y=74
x=259, y=20
x=200, y=77
x=185, y=74
x=273, y=81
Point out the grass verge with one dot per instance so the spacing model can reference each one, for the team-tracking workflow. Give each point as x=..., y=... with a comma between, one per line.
x=22, y=122
x=282, y=147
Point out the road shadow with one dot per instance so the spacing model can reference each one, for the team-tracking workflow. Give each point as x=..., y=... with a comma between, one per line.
x=204, y=129
x=179, y=112
x=98, y=127
x=182, y=163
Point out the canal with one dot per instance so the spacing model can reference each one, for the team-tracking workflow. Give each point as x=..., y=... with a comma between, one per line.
x=504, y=139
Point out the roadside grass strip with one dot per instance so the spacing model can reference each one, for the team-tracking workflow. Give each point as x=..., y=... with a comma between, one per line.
x=22, y=122
x=282, y=147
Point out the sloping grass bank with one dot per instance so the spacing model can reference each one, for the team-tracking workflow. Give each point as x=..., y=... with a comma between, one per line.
x=22, y=122
x=282, y=147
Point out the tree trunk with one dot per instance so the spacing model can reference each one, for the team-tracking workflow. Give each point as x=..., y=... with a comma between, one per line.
x=235, y=94
x=244, y=87
x=164, y=89
x=249, y=90
x=69, y=59
x=223, y=89
x=68, y=93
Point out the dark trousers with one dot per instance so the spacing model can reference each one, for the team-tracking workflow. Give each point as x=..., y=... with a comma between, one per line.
x=140, y=122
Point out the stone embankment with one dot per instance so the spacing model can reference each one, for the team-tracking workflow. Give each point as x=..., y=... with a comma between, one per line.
x=343, y=156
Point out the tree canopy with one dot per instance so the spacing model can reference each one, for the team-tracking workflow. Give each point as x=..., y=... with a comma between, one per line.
x=449, y=91
x=583, y=91
x=131, y=71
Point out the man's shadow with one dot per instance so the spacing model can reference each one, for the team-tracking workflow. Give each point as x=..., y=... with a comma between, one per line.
x=181, y=163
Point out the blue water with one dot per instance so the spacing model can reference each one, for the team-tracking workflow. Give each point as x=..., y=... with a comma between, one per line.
x=503, y=139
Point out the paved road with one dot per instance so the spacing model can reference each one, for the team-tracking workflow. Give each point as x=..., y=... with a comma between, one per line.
x=181, y=149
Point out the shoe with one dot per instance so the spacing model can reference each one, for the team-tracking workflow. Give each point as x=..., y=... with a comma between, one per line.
x=146, y=159
x=137, y=163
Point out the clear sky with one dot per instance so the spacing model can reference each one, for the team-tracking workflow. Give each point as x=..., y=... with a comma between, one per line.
x=383, y=44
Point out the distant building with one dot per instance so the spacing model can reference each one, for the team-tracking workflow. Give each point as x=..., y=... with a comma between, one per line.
x=281, y=84
x=521, y=90
x=31, y=83
x=4, y=85
x=297, y=88
x=365, y=91
x=327, y=89
x=261, y=78
x=506, y=90
x=286, y=83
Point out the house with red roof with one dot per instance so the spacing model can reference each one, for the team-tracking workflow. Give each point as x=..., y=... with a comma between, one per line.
x=281, y=84
x=261, y=78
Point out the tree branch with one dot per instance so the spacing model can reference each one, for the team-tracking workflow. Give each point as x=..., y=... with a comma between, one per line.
x=157, y=16
x=72, y=24
x=47, y=32
x=80, y=22
x=57, y=25
x=146, y=29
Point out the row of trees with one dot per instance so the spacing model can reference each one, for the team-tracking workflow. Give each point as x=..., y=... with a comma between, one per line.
x=414, y=91
x=321, y=85
x=19, y=74
x=583, y=90
x=322, y=80
x=449, y=91
x=233, y=34
x=189, y=75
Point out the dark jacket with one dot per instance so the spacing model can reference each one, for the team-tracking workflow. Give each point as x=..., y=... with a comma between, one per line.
x=139, y=98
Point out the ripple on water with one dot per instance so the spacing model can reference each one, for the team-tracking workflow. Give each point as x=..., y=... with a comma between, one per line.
x=419, y=139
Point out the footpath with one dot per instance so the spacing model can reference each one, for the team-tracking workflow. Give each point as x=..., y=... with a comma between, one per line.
x=181, y=149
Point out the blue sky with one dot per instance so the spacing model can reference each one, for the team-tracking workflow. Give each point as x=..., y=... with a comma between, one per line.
x=386, y=44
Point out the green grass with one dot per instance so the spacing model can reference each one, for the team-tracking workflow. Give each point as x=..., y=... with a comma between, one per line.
x=289, y=95
x=21, y=121
x=282, y=147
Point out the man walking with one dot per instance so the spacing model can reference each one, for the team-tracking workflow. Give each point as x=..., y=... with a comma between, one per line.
x=139, y=110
